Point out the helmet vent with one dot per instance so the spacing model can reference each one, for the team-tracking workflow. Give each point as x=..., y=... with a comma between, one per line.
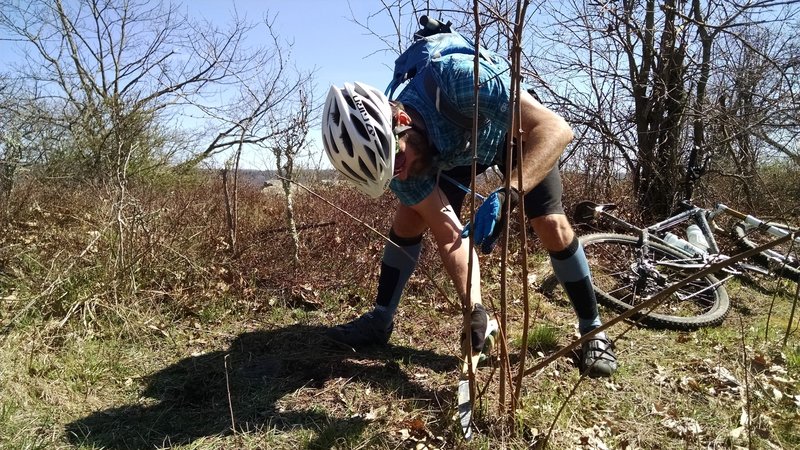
x=374, y=163
x=348, y=143
x=336, y=115
x=352, y=173
x=350, y=102
x=386, y=146
x=327, y=143
x=359, y=126
x=364, y=167
x=359, y=89
x=371, y=110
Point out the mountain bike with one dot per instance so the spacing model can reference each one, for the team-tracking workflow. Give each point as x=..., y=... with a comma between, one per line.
x=631, y=265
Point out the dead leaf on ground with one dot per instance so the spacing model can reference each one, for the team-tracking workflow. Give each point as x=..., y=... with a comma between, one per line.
x=736, y=433
x=416, y=432
x=684, y=427
x=690, y=384
x=664, y=410
x=759, y=363
x=305, y=297
x=593, y=438
x=417, y=427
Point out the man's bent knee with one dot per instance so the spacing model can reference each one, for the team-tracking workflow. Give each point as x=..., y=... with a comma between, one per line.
x=408, y=223
x=554, y=231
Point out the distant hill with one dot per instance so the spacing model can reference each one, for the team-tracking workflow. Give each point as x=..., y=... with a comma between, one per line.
x=259, y=177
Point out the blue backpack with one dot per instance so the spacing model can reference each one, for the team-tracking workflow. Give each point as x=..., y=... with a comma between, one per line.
x=434, y=41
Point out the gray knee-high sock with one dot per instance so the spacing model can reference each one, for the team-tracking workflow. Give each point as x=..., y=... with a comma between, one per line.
x=397, y=265
x=572, y=270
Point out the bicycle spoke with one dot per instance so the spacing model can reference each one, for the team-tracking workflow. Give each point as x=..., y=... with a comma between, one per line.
x=625, y=274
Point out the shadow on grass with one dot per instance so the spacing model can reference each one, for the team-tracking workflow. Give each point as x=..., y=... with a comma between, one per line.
x=189, y=400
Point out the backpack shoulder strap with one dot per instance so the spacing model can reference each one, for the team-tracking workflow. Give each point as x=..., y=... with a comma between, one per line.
x=442, y=103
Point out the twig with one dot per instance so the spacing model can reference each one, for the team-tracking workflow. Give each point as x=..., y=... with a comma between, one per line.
x=516, y=92
x=560, y=410
x=791, y=314
x=771, y=307
x=746, y=386
x=52, y=287
x=467, y=301
x=228, y=387
x=230, y=208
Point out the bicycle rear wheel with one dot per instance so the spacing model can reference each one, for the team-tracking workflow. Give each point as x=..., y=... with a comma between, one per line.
x=625, y=276
x=781, y=260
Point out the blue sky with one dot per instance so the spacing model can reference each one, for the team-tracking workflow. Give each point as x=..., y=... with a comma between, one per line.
x=323, y=34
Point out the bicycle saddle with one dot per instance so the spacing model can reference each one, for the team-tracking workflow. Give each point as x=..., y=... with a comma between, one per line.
x=587, y=211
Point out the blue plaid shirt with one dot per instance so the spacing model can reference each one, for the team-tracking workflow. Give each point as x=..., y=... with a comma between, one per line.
x=454, y=75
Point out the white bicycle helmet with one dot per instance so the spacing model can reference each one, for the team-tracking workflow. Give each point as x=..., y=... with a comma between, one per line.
x=358, y=137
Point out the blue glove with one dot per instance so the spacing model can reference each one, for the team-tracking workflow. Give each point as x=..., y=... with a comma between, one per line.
x=490, y=220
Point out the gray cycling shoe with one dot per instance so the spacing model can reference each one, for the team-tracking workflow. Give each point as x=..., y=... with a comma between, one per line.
x=364, y=331
x=597, y=356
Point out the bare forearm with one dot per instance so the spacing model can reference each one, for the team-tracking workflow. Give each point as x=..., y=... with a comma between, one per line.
x=453, y=249
x=544, y=137
x=455, y=257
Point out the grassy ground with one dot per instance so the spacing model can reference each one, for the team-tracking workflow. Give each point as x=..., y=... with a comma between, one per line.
x=243, y=363
x=278, y=383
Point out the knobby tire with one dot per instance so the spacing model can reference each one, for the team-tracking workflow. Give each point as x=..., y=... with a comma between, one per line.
x=617, y=276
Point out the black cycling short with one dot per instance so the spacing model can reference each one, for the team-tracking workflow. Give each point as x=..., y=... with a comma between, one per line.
x=542, y=200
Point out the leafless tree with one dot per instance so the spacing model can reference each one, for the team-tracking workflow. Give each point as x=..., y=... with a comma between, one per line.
x=24, y=136
x=11, y=148
x=256, y=119
x=634, y=76
x=124, y=79
x=123, y=73
x=754, y=106
x=289, y=142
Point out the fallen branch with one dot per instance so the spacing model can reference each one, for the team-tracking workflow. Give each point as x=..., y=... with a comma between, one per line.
x=308, y=226
x=228, y=388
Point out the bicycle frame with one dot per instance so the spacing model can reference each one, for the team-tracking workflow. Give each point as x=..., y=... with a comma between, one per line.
x=699, y=216
x=702, y=218
x=754, y=222
x=653, y=232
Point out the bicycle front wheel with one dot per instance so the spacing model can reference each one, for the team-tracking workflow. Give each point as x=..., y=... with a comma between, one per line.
x=625, y=275
x=781, y=260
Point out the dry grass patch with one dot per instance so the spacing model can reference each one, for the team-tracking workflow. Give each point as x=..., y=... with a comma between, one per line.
x=198, y=347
